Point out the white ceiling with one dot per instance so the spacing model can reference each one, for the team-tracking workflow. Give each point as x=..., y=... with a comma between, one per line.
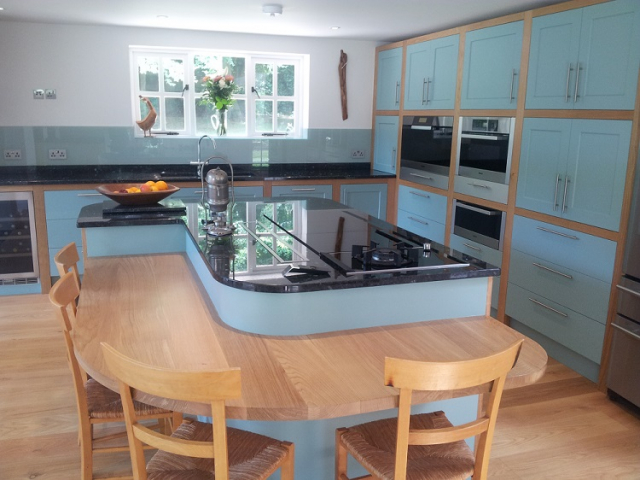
x=381, y=20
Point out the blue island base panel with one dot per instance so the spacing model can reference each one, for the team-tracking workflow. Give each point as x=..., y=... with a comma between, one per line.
x=315, y=439
x=21, y=289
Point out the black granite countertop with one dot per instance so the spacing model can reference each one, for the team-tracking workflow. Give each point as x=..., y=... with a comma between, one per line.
x=296, y=245
x=176, y=173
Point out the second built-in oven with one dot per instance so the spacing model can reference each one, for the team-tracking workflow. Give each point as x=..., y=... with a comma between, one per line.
x=484, y=148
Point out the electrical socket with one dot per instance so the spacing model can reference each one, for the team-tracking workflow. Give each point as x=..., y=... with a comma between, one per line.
x=38, y=94
x=357, y=154
x=13, y=154
x=58, y=154
x=50, y=94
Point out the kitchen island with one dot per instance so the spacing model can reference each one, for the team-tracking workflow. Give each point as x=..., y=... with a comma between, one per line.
x=150, y=291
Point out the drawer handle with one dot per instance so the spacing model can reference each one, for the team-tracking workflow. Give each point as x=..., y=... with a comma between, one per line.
x=549, y=308
x=628, y=290
x=473, y=184
x=303, y=189
x=566, y=235
x=419, y=194
x=628, y=332
x=89, y=194
x=472, y=247
x=419, y=221
x=570, y=277
x=421, y=176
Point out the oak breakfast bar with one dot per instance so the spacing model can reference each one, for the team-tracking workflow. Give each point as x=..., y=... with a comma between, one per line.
x=311, y=349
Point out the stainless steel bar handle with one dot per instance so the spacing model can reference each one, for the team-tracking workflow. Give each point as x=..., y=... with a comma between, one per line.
x=564, y=196
x=89, y=194
x=543, y=267
x=397, y=93
x=548, y=230
x=628, y=332
x=418, y=220
x=420, y=176
x=472, y=247
x=555, y=196
x=424, y=82
x=575, y=93
x=420, y=194
x=513, y=80
x=428, y=88
x=628, y=290
x=394, y=155
x=479, y=210
x=549, y=308
x=566, y=91
x=303, y=189
x=473, y=184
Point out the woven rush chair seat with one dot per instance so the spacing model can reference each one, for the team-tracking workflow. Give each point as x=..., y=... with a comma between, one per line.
x=105, y=403
x=250, y=456
x=373, y=444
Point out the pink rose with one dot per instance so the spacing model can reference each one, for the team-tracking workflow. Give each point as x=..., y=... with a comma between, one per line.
x=229, y=78
x=217, y=78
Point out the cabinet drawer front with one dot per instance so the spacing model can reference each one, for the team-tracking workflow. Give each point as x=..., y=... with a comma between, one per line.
x=579, y=292
x=321, y=191
x=496, y=192
x=477, y=250
x=67, y=204
x=421, y=226
x=60, y=232
x=426, y=204
x=593, y=256
x=574, y=331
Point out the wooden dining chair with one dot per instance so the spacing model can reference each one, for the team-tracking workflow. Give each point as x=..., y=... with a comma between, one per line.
x=196, y=449
x=427, y=446
x=96, y=403
x=67, y=260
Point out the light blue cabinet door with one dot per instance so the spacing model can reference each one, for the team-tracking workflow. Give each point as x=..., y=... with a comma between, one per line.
x=492, y=66
x=385, y=144
x=555, y=43
x=425, y=227
x=431, y=74
x=596, y=172
x=543, y=159
x=426, y=204
x=316, y=191
x=609, y=55
x=388, y=77
x=370, y=198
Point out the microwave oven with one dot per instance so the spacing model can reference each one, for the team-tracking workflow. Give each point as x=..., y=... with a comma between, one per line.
x=480, y=224
x=484, y=148
x=425, y=148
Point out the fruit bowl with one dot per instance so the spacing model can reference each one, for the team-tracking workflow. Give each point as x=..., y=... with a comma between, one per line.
x=115, y=191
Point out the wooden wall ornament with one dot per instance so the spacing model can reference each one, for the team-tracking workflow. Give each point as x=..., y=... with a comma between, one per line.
x=342, y=71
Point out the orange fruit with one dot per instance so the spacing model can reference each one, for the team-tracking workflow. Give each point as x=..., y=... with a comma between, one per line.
x=150, y=183
x=162, y=185
x=154, y=188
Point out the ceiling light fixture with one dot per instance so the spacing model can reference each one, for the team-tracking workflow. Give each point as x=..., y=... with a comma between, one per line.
x=335, y=28
x=272, y=9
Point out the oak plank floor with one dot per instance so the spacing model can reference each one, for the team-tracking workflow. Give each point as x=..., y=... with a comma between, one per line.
x=559, y=428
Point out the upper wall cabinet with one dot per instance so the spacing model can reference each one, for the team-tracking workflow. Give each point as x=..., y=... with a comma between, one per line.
x=585, y=58
x=388, y=79
x=574, y=169
x=491, y=67
x=431, y=74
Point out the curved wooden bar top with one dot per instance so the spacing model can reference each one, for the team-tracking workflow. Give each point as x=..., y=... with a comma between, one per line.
x=154, y=308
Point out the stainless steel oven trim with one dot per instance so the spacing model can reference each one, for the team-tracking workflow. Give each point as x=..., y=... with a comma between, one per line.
x=28, y=196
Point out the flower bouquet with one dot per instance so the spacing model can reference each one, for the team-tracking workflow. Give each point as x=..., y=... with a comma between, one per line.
x=218, y=91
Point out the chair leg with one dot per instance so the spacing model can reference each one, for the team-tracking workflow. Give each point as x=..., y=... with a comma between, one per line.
x=341, y=456
x=286, y=469
x=176, y=421
x=86, y=451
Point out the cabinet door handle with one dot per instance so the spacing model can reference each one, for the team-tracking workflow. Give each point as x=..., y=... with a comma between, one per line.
x=420, y=176
x=303, y=189
x=397, y=93
x=548, y=230
x=394, y=155
x=535, y=264
x=566, y=90
x=89, y=195
x=513, y=80
x=555, y=196
x=628, y=332
x=628, y=290
x=564, y=196
x=549, y=308
x=479, y=185
x=425, y=98
x=575, y=92
x=422, y=195
x=418, y=220
x=472, y=247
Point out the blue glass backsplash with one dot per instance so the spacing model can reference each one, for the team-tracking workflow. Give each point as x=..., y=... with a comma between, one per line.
x=118, y=145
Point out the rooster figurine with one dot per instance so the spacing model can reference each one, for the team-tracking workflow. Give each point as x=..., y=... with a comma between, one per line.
x=146, y=123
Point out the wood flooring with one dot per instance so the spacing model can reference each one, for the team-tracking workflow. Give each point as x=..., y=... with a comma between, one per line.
x=560, y=428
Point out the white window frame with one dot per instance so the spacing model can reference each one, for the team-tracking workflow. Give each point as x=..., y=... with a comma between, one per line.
x=300, y=97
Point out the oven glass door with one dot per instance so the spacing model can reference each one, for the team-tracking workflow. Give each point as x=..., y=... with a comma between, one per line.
x=428, y=146
x=484, y=152
x=480, y=224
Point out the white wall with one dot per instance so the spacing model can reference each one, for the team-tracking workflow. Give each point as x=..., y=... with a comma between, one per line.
x=88, y=66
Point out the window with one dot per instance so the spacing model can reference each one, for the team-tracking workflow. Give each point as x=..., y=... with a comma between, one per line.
x=269, y=100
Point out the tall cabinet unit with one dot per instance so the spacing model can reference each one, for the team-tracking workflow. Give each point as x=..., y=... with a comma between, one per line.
x=389, y=78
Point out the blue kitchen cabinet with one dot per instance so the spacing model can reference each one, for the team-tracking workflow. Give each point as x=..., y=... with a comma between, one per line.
x=317, y=191
x=388, y=78
x=492, y=67
x=385, y=144
x=585, y=58
x=431, y=74
x=574, y=169
x=422, y=212
x=370, y=198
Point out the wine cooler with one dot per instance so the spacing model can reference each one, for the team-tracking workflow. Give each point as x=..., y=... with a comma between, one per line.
x=18, y=245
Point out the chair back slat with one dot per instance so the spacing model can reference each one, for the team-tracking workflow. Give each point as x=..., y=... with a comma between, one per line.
x=67, y=260
x=177, y=446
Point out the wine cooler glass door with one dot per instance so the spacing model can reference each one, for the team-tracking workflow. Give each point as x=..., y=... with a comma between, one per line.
x=18, y=245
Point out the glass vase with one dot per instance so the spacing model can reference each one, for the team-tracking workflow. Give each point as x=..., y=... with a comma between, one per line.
x=219, y=122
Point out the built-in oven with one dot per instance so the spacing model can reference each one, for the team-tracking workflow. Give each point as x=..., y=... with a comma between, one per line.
x=18, y=245
x=484, y=148
x=425, y=150
x=478, y=223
